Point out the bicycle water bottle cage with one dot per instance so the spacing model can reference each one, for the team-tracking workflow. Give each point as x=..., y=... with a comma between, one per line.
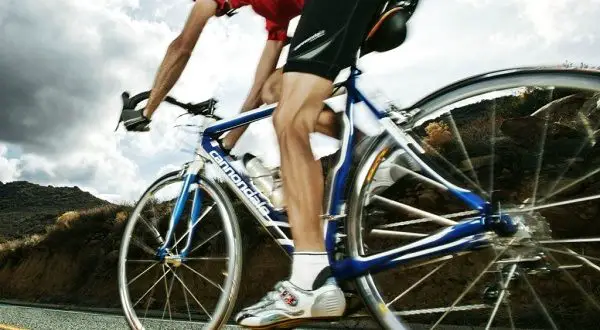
x=389, y=30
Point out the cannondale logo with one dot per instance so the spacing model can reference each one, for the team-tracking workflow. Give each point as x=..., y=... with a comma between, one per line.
x=250, y=193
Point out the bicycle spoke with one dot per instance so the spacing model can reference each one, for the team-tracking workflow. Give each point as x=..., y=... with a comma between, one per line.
x=208, y=209
x=168, y=295
x=187, y=304
x=577, y=285
x=568, y=253
x=540, y=303
x=456, y=169
x=204, y=277
x=541, y=207
x=154, y=223
x=137, y=242
x=419, y=177
x=567, y=186
x=141, y=261
x=407, y=208
x=207, y=258
x=206, y=241
x=175, y=245
x=157, y=236
x=572, y=240
x=463, y=149
x=152, y=287
x=424, y=220
x=417, y=283
x=143, y=272
x=472, y=284
x=493, y=151
x=193, y=296
x=584, y=259
x=152, y=290
x=540, y=162
x=501, y=296
x=566, y=169
x=510, y=318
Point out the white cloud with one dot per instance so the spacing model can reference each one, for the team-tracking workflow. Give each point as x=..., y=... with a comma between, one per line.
x=448, y=40
x=9, y=170
x=451, y=40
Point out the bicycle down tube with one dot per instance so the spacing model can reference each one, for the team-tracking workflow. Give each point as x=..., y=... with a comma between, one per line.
x=465, y=235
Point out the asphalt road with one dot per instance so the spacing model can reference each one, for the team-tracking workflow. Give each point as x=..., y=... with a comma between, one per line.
x=34, y=318
x=16, y=317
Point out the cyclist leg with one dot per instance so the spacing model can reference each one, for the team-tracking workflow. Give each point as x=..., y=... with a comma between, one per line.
x=327, y=39
x=327, y=122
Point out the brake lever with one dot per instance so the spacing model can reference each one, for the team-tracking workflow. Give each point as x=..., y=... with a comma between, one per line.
x=125, y=99
x=202, y=107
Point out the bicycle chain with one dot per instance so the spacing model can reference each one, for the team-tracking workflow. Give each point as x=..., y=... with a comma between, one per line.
x=442, y=310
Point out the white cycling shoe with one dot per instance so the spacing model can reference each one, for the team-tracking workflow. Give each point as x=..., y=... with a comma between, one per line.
x=289, y=305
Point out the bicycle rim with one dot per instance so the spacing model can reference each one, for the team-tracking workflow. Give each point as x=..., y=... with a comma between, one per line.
x=202, y=287
x=533, y=151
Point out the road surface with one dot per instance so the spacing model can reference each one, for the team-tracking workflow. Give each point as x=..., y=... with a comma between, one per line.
x=18, y=317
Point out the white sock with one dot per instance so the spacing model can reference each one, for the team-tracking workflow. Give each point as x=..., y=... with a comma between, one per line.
x=306, y=266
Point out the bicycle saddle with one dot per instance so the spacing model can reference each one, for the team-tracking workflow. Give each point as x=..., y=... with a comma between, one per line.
x=389, y=30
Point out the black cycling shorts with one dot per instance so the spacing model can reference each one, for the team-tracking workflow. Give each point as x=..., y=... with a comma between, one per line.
x=329, y=34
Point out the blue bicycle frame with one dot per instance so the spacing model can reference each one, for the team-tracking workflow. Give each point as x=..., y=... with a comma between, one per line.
x=466, y=235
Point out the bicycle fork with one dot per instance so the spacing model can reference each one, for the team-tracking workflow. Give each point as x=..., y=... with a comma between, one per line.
x=190, y=173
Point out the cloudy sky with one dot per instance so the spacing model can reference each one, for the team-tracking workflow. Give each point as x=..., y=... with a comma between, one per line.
x=64, y=63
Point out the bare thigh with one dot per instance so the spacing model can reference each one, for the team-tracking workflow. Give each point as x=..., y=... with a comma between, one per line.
x=327, y=121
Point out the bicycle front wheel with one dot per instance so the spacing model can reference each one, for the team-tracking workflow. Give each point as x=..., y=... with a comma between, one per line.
x=529, y=143
x=170, y=293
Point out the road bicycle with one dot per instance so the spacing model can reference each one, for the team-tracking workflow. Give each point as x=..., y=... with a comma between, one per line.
x=477, y=205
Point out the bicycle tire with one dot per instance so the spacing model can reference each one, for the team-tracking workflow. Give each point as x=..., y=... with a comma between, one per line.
x=423, y=111
x=228, y=296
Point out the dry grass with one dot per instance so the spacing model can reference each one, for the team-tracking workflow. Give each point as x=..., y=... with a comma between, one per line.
x=66, y=219
x=438, y=135
x=73, y=262
x=480, y=130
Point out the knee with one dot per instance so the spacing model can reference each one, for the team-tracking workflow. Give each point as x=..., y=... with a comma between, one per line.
x=297, y=126
x=267, y=94
x=327, y=118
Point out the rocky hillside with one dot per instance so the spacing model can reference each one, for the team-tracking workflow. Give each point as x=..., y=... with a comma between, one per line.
x=27, y=208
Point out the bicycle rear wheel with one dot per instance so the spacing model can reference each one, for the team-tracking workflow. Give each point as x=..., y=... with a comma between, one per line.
x=170, y=294
x=529, y=144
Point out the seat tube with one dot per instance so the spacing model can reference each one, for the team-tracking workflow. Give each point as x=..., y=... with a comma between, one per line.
x=339, y=175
